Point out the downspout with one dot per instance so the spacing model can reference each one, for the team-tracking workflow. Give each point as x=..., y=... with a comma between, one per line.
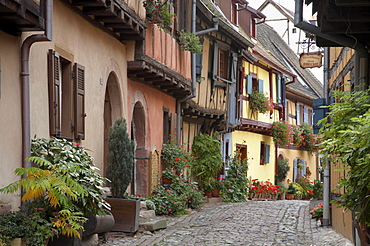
x=326, y=191
x=25, y=80
x=361, y=54
x=193, y=75
x=193, y=66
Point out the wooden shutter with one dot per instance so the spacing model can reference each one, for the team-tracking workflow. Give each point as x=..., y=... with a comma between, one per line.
x=54, y=68
x=241, y=82
x=295, y=163
x=278, y=88
x=249, y=86
x=79, y=101
x=260, y=86
x=298, y=114
x=305, y=114
x=267, y=154
x=215, y=61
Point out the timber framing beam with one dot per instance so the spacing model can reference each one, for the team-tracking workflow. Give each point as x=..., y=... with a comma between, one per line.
x=114, y=15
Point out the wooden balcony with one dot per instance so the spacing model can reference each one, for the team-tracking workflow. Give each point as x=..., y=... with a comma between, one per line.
x=115, y=16
x=255, y=126
x=18, y=16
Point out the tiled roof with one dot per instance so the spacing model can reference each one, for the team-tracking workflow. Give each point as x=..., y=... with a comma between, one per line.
x=271, y=41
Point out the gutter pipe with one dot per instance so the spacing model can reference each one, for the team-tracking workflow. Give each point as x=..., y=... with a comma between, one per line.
x=25, y=80
x=193, y=66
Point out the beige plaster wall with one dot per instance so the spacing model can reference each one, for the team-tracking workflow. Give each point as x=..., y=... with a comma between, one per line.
x=10, y=114
x=99, y=53
x=292, y=154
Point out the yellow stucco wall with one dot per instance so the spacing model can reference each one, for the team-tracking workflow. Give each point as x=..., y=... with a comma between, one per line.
x=253, y=143
x=10, y=111
x=308, y=157
x=99, y=53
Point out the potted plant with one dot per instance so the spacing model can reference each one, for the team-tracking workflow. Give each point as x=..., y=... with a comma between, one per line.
x=217, y=185
x=190, y=42
x=290, y=192
x=317, y=212
x=283, y=169
x=258, y=102
x=207, y=159
x=119, y=172
x=158, y=12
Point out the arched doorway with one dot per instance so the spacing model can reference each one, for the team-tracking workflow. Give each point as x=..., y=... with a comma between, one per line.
x=112, y=111
x=141, y=178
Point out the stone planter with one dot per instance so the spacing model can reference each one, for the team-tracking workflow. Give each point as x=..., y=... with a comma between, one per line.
x=126, y=214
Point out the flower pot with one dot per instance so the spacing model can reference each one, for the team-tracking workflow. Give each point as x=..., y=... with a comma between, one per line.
x=208, y=194
x=215, y=192
x=289, y=196
x=125, y=213
x=98, y=224
x=166, y=180
x=63, y=240
x=18, y=242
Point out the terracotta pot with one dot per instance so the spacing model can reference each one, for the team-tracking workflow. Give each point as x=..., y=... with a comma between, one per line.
x=208, y=194
x=216, y=192
x=289, y=196
x=166, y=180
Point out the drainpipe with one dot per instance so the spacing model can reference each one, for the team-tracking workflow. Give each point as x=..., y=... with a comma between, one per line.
x=25, y=80
x=193, y=74
x=193, y=65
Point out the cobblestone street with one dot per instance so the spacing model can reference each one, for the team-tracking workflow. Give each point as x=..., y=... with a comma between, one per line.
x=283, y=222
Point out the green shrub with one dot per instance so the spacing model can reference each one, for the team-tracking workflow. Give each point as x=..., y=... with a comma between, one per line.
x=236, y=182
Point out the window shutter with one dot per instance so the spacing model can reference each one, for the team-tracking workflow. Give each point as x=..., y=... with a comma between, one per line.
x=298, y=114
x=295, y=162
x=215, y=61
x=79, y=101
x=54, y=68
x=198, y=63
x=267, y=154
x=234, y=65
x=249, y=84
x=260, y=86
x=303, y=172
x=278, y=88
x=305, y=114
x=241, y=82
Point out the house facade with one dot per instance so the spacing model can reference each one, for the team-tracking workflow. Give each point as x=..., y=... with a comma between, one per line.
x=341, y=28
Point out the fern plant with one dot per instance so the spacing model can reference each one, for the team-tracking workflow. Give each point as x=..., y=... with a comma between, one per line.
x=53, y=193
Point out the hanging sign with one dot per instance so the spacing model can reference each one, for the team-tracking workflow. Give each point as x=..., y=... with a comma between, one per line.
x=310, y=60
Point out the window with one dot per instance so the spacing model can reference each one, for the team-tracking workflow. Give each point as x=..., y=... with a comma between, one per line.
x=66, y=98
x=253, y=84
x=264, y=153
x=166, y=124
x=222, y=63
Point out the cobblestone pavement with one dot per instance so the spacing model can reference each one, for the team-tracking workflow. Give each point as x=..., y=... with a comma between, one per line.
x=283, y=222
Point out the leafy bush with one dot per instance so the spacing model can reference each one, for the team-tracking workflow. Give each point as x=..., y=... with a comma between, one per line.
x=318, y=189
x=120, y=158
x=176, y=198
x=207, y=158
x=236, y=181
x=283, y=169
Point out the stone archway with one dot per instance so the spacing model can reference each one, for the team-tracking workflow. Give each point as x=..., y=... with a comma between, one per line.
x=112, y=111
x=141, y=174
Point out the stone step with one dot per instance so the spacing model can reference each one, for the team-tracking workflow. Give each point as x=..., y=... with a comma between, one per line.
x=153, y=225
